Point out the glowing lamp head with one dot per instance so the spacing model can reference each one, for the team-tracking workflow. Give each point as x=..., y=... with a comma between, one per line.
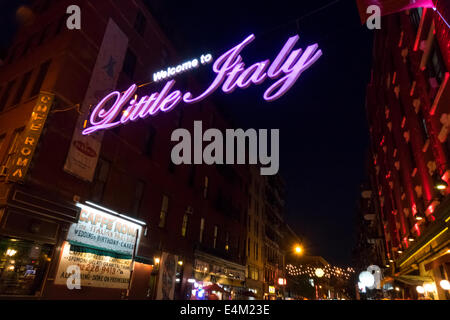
x=319, y=272
x=429, y=287
x=445, y=284
x=441, y=184
x=420, y=289
x=298, y=249
x=367, y=279
x=157, y=260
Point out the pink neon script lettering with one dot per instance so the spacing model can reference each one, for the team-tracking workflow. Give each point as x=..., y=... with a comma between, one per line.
x=231, y=73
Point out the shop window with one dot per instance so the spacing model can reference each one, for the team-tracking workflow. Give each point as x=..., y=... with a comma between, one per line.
x=184, y=225
x=40, y=78
x=202, y=229
x=22, y=87
x=100, y=178
x=163, y=213
x=129, y=64
x=23, y=265
x=140, y=23
x=6, y=93
x=13, y=146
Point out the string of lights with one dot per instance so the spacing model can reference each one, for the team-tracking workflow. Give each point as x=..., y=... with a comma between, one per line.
x=327, y=271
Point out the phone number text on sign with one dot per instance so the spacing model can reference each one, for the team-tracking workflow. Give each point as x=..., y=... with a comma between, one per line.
x=96, y=270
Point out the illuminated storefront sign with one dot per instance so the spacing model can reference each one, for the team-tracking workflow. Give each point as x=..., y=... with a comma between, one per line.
x=231, y=73
x=271, y=289
x=101, y=230
x=96, y=270
x=30, y=137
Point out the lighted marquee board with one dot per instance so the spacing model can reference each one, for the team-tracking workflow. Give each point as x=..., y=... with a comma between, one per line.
x=104, y=231
x=231, y=73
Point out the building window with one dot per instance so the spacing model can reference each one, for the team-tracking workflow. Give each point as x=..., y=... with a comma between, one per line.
x=44, y=6
x=423, y=125
x=5, y=96
x=191, y=179
x=101, y=176
x=436, y=66
x=22, y=87
x=412, y=156
x=184, y=225
x=248, y=247
x=23, y=268
x=227, y=239
x=40, y=78
x=2, y=140
x=205, y=187
x=28, y=45
x=256, y=251
x=216, y=231
x=202, y=229
x=150, y=141
x=164, y=209
x=415, y=16
x=13, y=52
x=138, y=195
x=129, y=64
x=140, y=23
x=13, y=146
x=61, y=25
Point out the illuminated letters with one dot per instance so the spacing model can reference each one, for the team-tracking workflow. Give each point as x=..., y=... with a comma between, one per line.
x=231, y=73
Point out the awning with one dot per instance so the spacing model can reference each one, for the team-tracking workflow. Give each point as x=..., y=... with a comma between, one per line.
x=409, y=280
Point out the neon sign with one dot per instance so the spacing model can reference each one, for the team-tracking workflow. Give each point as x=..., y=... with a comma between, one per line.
x=182, y=67
x=231, y=73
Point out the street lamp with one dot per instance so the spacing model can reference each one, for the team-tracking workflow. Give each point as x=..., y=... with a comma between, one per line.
x=298, y=249
x=440, y=184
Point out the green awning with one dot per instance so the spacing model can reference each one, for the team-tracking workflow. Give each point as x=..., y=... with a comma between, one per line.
x=74, y=246
x=413, y=280
x=144, y=260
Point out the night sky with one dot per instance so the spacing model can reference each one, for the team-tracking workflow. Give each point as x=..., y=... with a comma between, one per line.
x=323, y=130
x=322, y=121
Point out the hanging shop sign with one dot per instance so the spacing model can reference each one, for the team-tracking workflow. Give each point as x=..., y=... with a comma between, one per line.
x=96, y=270
x=104, y=231
x=30, y=137
x=167, y=276
x=231, y=73
x=84, y=150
